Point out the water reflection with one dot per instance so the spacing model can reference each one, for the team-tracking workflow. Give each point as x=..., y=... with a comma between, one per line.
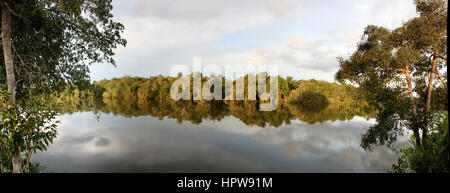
x=214, y=137
x=317, y=110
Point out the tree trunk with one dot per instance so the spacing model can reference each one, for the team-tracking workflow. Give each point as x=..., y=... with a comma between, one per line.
x=9, y=66
x=430, y=88
x=17, y=164
x=411, y=96
x=7, y=51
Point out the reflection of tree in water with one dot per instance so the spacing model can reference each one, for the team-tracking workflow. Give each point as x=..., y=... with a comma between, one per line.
x=311, y=102
x=314, y=108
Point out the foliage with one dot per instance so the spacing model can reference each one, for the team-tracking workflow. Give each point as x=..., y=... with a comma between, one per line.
x=72, y=98
x=55, y=41
x=26, y=127
x=432, y=156
x=335, y=93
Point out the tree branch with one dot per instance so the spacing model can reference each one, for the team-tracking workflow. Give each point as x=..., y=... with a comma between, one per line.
x=12, y=12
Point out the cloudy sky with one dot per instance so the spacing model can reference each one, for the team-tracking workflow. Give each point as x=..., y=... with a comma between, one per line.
x=302, y=37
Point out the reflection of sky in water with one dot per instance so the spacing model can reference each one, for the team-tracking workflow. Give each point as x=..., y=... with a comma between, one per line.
x=146, y=144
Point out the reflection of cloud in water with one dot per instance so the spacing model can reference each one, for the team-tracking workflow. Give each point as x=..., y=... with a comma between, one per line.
x=145, y=144
x=335, y=142
x=102, y=142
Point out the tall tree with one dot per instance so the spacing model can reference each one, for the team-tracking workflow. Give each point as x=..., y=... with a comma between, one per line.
x=407, y=56
x=379, y=66
x=9, y=67
x=47, y=43
x=7, y=50
x=392, y=67
x=428, y=33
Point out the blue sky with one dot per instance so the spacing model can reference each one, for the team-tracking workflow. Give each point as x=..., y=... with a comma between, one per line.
x=302, y=37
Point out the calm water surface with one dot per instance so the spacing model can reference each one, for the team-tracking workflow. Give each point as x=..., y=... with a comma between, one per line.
x=147, y=144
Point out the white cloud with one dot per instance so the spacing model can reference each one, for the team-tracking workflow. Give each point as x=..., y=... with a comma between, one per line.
x=305, y=36
x=389, y=13
x=283, y=7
